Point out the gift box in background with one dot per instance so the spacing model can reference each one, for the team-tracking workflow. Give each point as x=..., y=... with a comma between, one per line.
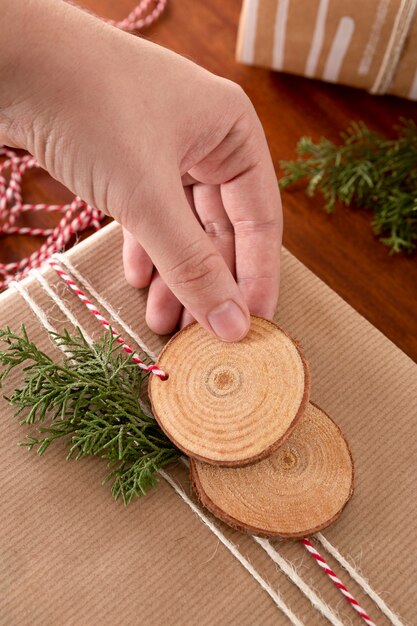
x=70, y=555
x=371, y=45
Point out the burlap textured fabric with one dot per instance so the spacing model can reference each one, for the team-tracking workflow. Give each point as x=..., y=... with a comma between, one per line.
x=70, y=555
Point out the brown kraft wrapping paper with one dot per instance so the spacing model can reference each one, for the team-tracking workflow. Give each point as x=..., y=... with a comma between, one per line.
x=70, y=555
x=371, y=45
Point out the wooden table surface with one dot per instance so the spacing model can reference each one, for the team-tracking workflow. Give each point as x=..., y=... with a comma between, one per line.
x=339, y=248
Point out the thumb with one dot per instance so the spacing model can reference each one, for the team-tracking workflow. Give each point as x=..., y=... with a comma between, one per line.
x=191, y=266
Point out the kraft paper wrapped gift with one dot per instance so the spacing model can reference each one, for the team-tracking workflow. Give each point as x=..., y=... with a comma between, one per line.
x=371, y=45
x=70, y=555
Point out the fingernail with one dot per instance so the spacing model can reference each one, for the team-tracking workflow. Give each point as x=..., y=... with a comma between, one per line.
x=228, y=321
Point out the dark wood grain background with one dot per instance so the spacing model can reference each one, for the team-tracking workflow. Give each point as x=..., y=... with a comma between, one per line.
x=339, y=248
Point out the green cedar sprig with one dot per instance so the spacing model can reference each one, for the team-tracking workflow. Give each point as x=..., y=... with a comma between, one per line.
x=368, y=171
x=89, y=399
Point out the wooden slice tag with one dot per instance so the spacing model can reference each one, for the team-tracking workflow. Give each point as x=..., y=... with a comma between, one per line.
x=230, y=403
x=299, y=490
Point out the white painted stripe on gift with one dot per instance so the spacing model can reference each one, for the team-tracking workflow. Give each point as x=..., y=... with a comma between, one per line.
x=338, y=50
x=400, y=30
x=250, y=23
x=412, y=94
x=280, y=28
x=369, y=52
x=318, y=38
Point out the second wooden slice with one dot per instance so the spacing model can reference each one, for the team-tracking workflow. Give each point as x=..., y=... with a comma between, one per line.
x=230, y=403
x=300, y=489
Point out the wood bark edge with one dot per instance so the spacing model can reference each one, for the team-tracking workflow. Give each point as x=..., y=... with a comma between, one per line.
x=247, y=528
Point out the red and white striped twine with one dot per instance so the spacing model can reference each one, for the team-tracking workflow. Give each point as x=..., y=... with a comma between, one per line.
x=154, y=369
x=143, y=15
x=342, y=588
x=77, y=215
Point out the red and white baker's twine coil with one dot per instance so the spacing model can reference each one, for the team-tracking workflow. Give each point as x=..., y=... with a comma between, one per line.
x=154, y=369
x=342, y=588
x=77, y=215
x=140, y=17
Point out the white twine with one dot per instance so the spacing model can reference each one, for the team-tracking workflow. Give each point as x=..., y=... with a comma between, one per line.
x=60, y=304
x=232, y=548
x=43, y=319
x=311, y=595
x=70, y=316
x=360, y=580
x=63, y=260
x=290, y=571
x=282, y=563
x=40, y=313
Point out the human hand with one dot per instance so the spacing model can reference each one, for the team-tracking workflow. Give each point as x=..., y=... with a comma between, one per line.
x=174, y=153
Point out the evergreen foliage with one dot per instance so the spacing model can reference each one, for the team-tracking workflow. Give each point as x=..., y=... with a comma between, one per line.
x=368, y=171
x=90, y=399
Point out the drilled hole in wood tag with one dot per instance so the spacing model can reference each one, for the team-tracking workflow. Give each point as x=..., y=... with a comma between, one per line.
x=297, y=491
x=230, y=403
